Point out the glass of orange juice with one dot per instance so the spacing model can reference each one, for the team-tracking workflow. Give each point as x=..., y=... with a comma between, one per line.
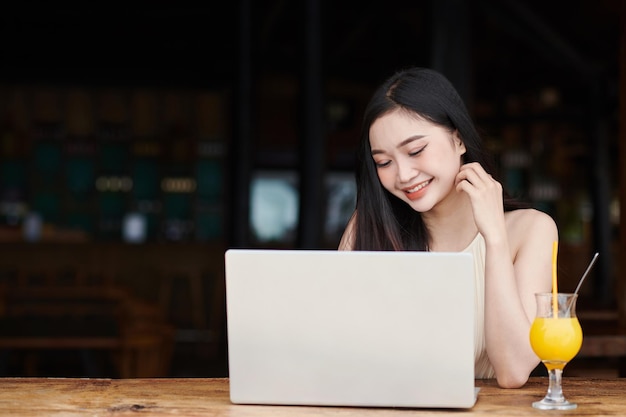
x=556, y=337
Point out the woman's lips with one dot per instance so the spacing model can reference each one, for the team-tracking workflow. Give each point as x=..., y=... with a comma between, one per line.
x=418, y=191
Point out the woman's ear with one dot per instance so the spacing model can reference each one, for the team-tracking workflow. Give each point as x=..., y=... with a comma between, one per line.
x=458, y=142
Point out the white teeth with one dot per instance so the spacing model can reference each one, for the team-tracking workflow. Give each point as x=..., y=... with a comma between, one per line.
x=419, y=187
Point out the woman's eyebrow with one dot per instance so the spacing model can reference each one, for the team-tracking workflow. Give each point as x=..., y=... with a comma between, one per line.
x=401, y=144
x=409, y=140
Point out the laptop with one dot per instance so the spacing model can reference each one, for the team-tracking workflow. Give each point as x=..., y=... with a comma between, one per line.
x=350, y=328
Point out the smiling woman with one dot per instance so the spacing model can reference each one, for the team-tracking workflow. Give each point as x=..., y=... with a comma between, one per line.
x=425, y=182
x=399, y=166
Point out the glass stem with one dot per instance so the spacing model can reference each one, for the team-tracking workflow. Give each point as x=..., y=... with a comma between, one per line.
x=555, y=390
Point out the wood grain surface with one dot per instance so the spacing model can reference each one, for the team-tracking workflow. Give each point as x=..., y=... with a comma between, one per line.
x=22, y=397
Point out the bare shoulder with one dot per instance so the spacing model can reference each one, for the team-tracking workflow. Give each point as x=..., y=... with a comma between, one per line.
x=530, y=227
x=525, y=218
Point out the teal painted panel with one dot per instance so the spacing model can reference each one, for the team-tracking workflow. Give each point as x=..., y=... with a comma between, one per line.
x=80, y=175
x=209, y=179
x=112, y=204
x=13, y=174
x=209, y=226
x=177, y=206
x=47, y=158
x=145, y=174
x=47, y=204
x=113, y=157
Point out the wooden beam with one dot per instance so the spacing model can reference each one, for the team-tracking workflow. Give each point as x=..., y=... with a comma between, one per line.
x=621, y=273
x=242, y=149
x=451, y=43
x=312, y=144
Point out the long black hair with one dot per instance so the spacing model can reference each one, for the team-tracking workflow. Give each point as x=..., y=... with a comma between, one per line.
x=383, y=221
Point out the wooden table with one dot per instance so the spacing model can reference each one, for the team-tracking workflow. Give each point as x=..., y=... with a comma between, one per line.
x=69, y=397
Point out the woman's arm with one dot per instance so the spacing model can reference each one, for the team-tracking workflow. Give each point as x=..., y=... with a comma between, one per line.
x=510, y=288
x=517, y=265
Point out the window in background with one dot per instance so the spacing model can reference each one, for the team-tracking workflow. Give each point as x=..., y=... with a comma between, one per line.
x=274, y=207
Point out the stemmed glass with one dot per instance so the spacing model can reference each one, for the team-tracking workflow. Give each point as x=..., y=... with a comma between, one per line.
x=556, y=337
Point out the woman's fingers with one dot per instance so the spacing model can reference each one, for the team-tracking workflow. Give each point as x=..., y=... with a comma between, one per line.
x=475, y=174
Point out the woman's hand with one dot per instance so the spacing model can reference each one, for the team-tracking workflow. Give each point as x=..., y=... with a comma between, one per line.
x=485, y=195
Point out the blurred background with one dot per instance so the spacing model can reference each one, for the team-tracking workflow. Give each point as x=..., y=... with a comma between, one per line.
x=139, y=141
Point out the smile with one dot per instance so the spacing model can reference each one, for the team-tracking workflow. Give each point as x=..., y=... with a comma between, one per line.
x=416, y=192
x=417, y=187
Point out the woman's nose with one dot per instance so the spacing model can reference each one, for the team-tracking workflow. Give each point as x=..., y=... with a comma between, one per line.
x=406, y=172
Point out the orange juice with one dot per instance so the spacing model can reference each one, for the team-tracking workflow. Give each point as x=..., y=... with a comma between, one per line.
x=556, y=340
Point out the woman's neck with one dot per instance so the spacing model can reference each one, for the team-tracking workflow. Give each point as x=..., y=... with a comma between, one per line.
x=450, y=224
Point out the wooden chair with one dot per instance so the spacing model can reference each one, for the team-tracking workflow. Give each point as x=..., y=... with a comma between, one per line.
x=49, y=309
x=602, y=338
x=193, y=281
x=204, y=289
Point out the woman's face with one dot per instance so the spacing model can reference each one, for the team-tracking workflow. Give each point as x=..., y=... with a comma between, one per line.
x=416, y=160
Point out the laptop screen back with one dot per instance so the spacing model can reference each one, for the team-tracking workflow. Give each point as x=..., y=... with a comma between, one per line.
x=378, y=329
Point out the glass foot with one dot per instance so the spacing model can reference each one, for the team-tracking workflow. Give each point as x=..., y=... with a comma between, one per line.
x=547, y=404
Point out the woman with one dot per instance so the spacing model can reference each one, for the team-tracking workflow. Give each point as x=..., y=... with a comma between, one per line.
x=425, y=183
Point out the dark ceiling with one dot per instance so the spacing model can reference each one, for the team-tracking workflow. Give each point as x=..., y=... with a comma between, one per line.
x=513, y=44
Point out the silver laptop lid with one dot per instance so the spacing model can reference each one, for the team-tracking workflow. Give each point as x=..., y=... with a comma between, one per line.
x=378, y=329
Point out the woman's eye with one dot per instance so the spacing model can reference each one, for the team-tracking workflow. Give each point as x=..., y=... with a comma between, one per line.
x=382, y=164
x=417, y=152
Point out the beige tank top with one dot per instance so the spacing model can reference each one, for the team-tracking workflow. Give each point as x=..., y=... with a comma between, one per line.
x=482, y=366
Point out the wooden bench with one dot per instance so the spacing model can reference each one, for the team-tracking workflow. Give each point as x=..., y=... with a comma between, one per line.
x=37, y=318
x=186, y=280
x=603, y=338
